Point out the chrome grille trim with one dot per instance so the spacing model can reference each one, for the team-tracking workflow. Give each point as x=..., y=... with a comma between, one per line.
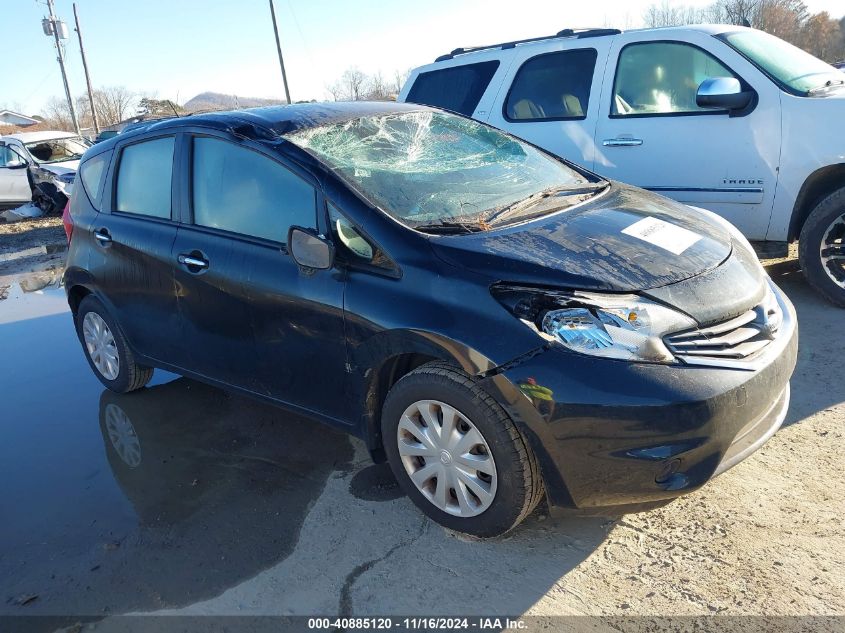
x=737, y=342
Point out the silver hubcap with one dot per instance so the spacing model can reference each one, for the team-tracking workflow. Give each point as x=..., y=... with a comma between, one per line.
x=447, y=458
x=101, y=346
x=122, y=435
x=832, y=251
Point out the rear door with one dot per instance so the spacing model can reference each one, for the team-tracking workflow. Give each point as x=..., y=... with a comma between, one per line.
x=132, y=260
x=652, y=134
x=551, y=98
x=252, y=318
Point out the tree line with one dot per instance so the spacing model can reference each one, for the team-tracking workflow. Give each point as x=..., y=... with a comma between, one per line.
x=817, y=33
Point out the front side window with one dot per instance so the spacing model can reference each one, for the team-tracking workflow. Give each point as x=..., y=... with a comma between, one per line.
x=793, y=68
x=458, y=89
x=10, y=158
x=422, y=167
x=58, y=149
x=144, y=176
x=236, y=189
x=553, y=86
x=662, y=78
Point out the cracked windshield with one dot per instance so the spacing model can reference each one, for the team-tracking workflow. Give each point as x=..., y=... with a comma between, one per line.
x=426, y=168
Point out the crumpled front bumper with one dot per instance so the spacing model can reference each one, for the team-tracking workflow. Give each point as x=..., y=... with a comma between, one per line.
x=612, y=433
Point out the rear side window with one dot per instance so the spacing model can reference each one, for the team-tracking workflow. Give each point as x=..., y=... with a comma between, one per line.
x=144, y=176
x=458, y=89
x=552, y=87
x=92, y=173
x=236, y=189
x=660, y=78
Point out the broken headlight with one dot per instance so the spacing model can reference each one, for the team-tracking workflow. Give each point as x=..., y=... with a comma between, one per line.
x=626, y=327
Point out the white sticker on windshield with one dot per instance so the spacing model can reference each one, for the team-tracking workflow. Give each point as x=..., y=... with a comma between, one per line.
x=670, y=237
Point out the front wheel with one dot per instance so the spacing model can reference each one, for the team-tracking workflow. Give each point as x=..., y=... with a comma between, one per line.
x=457, y=454
x=821, y=248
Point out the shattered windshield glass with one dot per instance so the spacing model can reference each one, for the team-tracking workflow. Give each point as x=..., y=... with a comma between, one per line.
x=430, y=167
x=57, y=149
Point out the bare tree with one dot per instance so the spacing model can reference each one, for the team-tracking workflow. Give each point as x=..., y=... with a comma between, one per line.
x=399, y=79
x=667, y=14
x=114, y=104
x=377, y=89
x=350, y=86
x=57, y=114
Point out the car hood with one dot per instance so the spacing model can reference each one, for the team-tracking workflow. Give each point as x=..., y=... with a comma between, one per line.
x=597, y=245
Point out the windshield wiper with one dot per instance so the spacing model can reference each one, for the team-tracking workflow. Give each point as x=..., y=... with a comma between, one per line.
x=830, y=83
x=554, y=192
x=451, y=227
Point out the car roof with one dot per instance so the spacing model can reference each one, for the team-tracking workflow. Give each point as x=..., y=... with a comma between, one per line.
x=574, y=35
x=34, y=137
x=271, y=122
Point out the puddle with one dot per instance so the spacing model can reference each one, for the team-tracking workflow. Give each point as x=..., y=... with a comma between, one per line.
x=159, y=498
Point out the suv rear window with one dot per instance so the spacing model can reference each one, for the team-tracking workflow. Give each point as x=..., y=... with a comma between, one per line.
x=458, y=89
x=552, y=86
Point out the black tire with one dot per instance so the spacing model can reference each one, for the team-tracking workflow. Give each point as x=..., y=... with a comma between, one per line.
x=130, y=375
x=519, y=484
x=810, y=243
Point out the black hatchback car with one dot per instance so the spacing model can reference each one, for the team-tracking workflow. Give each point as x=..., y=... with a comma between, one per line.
x=498, y=324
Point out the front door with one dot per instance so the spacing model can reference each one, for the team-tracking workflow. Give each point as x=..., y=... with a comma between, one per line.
x=651, y=133
x=252, y=317
x=14, y=185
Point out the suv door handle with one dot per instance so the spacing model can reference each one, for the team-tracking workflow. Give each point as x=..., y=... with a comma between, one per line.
x=192, y=262
x=102, y=236
x=622, y=142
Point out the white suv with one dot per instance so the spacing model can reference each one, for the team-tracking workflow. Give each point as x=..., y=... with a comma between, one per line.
x=722, y=117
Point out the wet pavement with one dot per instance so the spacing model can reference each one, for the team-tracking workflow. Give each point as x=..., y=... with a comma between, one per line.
x=118, y=503
x=186, y=499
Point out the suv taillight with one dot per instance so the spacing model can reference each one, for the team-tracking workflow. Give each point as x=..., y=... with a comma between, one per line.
x=67, y=221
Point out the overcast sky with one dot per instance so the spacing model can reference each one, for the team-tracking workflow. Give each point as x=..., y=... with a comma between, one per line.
x=177, y=48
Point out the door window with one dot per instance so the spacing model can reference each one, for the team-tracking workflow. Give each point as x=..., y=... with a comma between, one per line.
x=239, y=190
x=92, y=173
x=458, y=89
x=657, y=78
x=552, y=87
x=9, y=157
x=144, y=177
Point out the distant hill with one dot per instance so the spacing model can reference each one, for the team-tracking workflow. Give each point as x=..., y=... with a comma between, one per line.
x=218, y=101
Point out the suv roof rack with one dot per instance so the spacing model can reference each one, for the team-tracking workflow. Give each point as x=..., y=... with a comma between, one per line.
x=575, y=33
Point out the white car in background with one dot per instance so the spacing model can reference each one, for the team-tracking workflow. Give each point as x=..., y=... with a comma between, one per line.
x=39, y=166
x=722, y=117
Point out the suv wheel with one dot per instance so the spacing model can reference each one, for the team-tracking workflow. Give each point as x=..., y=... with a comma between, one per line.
x=821, y=248
x=106, y=349
x=457, y=454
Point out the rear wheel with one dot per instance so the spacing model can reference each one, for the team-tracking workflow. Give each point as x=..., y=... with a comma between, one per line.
x=106, y=350
x=821, y=248
x=457, y=454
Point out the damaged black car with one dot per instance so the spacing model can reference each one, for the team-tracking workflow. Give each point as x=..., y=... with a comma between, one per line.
x=498, y=324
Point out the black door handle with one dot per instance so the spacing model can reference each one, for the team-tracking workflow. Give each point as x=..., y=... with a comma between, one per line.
x=102, y=236
x=193, y=261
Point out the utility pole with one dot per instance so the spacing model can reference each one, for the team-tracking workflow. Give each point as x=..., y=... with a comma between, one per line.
x=58, y=30
x=279, y=48
x=87, y=76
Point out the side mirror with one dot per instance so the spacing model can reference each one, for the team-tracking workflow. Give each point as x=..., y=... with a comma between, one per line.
x=16, y=164
x=309, y=250
x=723, y=93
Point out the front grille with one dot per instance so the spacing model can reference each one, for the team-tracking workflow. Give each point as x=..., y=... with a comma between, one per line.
x=739, y=338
